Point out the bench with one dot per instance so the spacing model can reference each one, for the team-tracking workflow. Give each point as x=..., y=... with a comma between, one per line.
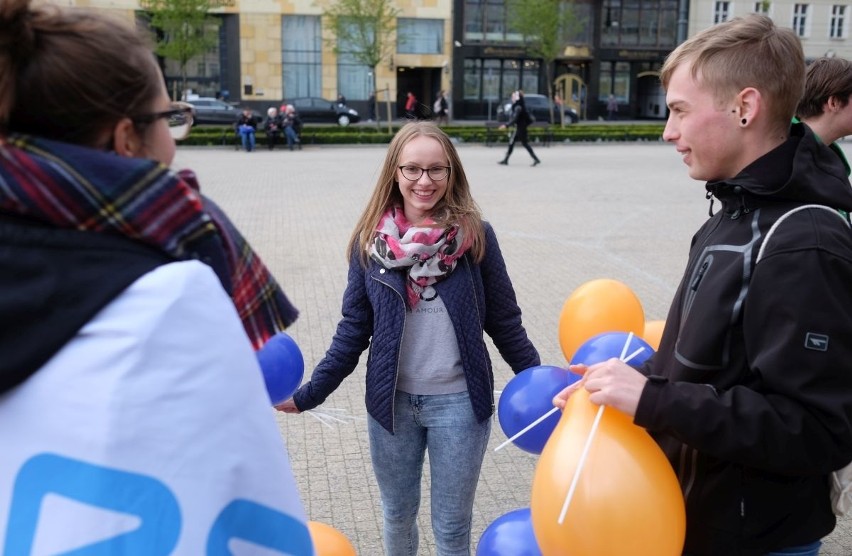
x=493, y=132
x=546, y=133
x=230, y=136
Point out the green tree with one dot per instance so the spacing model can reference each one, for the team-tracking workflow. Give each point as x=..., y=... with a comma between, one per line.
x=544, y=25
x=364, y=32
x=183, y=29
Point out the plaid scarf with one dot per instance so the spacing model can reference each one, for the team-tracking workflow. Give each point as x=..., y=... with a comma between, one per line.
x=429, y=253
x=70, y=186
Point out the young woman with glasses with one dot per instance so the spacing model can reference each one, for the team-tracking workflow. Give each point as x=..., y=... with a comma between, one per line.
x=426, y=281
x=127, y=377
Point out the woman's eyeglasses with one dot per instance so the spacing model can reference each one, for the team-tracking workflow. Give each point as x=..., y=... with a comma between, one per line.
x=435, y=173
x=179, y=118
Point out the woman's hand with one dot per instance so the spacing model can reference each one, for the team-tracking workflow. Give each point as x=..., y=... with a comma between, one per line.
x=288, y=406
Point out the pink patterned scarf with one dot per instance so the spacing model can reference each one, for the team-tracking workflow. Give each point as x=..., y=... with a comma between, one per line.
x=430, y=253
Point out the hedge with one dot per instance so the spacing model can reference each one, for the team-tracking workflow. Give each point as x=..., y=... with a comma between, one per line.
x=354, y=135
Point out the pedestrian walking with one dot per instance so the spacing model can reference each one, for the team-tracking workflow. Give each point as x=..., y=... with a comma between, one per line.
x=521, y=119
x=441, y=109
x=410, y=106
x=611, y=107
x=371, y=107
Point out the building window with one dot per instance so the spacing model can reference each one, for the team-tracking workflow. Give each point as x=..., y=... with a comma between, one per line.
x=420, y=36
x=615, y=80
x=762, y=7
x=202, y=71
x=473, y=10
x=581, y=33
x=495, y=21
x=301, y=56
x=800, y=19
x=837, y=25
x=354, y=79
x=488, y=20
x=639, y=22
x=490, y=79
x=721, y=12
x=529, y=77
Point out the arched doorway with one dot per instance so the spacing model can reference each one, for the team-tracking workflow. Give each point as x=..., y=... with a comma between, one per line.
x=572, y=89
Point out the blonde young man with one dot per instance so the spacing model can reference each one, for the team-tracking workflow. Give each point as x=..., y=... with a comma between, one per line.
x=750, y=393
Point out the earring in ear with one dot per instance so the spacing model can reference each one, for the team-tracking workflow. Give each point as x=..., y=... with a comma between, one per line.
x=743, y=121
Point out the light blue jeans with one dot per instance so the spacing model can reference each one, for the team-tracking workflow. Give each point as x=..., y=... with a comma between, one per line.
x=446, y=427
x=247, y=137
x=811, y=549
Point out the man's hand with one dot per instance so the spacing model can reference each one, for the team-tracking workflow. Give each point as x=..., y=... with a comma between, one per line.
x=612, y=383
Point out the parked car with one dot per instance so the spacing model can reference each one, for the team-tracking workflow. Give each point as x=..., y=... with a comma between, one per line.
x=320, y=110
x=539, y=107
x=209, y=110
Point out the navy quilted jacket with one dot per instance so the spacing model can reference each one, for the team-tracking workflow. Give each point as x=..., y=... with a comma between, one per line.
x=374, y=307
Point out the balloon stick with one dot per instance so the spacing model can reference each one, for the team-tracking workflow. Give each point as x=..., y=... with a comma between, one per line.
x=634, y=354
x=580, y=464
x=527, y=428
x=623, y=357
x=626, y=345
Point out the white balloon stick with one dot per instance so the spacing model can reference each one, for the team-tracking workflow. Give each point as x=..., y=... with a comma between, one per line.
x=580, y=464
x=527, y=428
x=588, y=445
x=634, y=354
x=626, y=345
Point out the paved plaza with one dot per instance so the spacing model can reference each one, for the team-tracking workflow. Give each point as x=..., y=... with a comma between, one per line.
x=622, y=211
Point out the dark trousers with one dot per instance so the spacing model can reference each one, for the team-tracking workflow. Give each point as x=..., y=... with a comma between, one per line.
x=524, y=141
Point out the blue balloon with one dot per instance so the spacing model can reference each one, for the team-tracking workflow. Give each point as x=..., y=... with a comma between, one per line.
x=528, y=396
x=509, y=535
x=282, y=365
x=613, y=344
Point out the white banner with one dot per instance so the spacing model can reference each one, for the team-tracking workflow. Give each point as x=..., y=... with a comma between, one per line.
x=150, y=433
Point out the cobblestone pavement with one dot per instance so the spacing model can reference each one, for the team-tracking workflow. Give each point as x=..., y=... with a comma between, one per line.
x=622, y=211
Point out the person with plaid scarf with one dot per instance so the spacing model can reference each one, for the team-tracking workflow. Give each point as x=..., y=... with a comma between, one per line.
x=130, y=307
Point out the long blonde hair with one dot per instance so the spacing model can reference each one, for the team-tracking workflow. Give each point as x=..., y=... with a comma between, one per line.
x=456, y=207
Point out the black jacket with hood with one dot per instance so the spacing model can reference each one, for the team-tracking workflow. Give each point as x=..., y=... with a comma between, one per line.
x=750, y=393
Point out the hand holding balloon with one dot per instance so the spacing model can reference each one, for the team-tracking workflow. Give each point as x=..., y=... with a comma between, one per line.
x=613, y=383
x=282, y=365
x=616, y=384
x=560, y=399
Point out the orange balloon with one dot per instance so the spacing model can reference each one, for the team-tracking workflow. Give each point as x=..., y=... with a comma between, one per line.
x=654, y=332
x=598, y=306
x=627, y=499
x=328, y=541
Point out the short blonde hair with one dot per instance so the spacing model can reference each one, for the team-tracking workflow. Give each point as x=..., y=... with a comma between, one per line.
x=745, y=52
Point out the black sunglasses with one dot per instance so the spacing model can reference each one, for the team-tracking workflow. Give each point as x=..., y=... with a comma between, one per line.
x=179, y=118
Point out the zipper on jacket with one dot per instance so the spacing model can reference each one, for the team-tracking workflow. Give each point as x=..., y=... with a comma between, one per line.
x=398, y=351
x=687, y=470
x=701, y=272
